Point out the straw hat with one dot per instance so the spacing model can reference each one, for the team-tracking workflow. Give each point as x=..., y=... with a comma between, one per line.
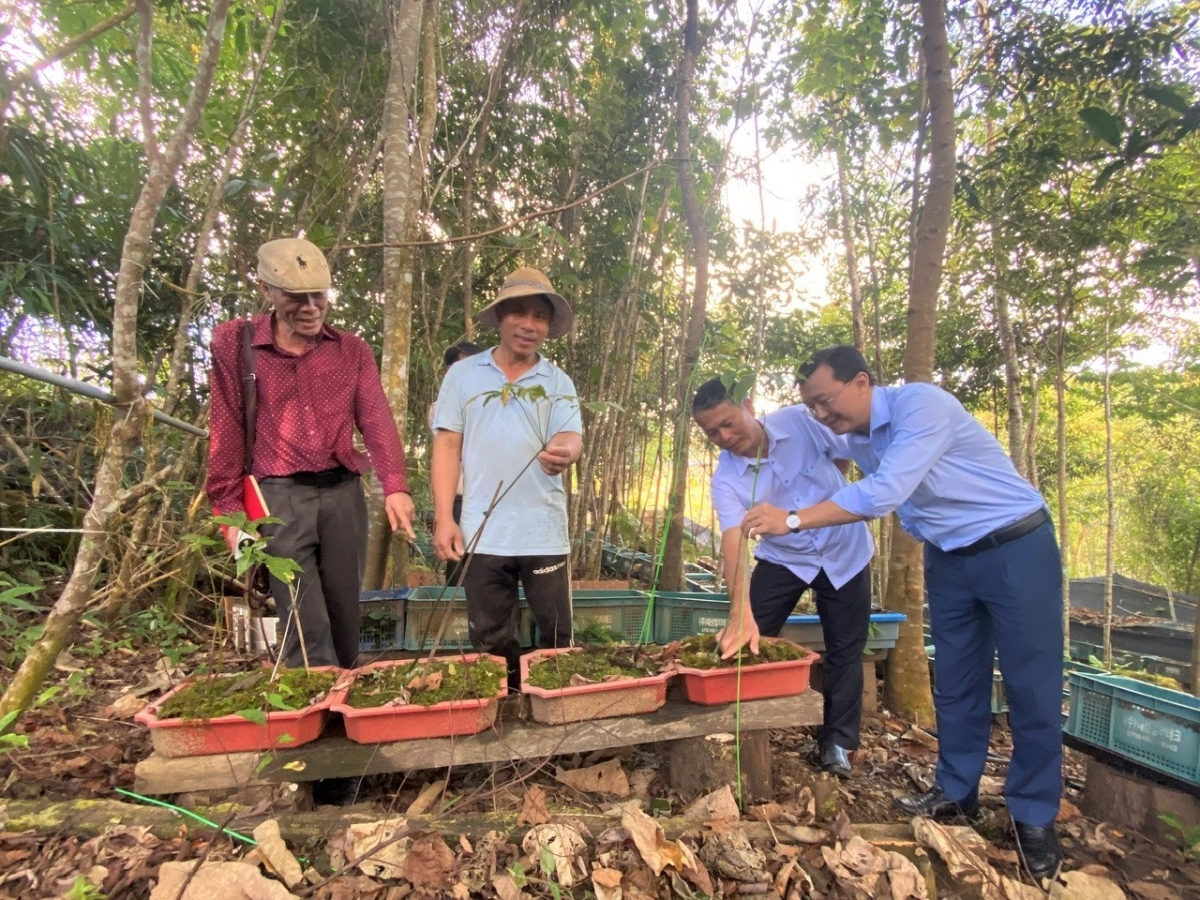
x=527, y=282
x=293, y=264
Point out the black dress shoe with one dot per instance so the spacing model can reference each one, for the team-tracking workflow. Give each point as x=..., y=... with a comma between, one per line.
x=835, y=760
x=1039, y=850
x=936, y=805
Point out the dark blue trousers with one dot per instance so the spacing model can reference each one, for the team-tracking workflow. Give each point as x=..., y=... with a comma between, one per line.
x=1005, y=602
x=845, y=615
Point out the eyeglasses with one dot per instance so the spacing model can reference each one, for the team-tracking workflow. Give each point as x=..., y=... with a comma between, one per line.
x=825, y=403
x=302, y=298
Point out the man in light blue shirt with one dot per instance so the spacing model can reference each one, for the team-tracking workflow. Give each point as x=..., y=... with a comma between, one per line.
x=507, y=422
x=787, y=460
x=993, y=575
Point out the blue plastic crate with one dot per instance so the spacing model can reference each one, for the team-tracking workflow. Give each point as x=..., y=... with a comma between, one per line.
x=881, y=635
x=382, y=626
x=1156, y=727
x=427, y=606
x=423, y=616
x=679, y=614
x=621, y=612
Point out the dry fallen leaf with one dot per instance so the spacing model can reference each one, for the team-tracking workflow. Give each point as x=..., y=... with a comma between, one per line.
x=505, y=887
x=718, y=806
x=379, y=849
x=562, y=844
x=125, y=707
x=429, y=795
x=428, y=861
x=1067, y=811
x=216, y=881
x=964, y=864
x=1081, y=886
x=607, y=884
x=804, y=834
x=918, y=735
x=534, y=810
x=866, y=871
x=275, y=854
x=652, y=843
x=605, y=778
x=766, y=812
x=1149, y=890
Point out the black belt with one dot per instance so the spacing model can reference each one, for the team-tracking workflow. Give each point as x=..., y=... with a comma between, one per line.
x=1005, y=535
x=326, y=478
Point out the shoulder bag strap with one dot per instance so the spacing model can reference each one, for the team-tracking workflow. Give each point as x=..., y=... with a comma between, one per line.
x=249, y=392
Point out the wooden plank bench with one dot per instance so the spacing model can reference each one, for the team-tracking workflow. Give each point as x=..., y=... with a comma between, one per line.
x=679, y=723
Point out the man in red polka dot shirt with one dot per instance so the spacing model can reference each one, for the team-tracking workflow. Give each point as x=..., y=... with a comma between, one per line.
x=316, y=385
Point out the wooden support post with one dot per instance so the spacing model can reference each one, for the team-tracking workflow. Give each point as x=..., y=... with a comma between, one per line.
x=699, y=765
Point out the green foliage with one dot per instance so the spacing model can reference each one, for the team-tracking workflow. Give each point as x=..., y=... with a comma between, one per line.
x=1185, y=837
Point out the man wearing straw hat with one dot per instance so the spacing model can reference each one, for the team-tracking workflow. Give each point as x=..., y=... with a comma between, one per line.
x=786, y=461
x=315, y=385
x=508, y=422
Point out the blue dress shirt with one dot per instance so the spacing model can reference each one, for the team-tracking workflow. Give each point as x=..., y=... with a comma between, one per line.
x=934, y=463
x=798, y=471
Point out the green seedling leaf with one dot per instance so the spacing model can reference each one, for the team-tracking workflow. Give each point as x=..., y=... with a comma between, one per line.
x=257, y=716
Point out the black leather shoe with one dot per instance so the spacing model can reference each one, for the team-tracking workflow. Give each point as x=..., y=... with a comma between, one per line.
x=936, y=805
x=1038, y=850
x=835, y=760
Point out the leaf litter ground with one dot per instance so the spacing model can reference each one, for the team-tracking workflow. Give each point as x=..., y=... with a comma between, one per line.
x=84, y=745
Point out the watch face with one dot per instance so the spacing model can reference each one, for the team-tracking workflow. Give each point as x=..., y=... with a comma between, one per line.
x=793, y=522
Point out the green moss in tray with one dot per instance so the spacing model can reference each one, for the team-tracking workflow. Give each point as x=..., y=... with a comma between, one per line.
x=227, y=695
x=411, y=683
x=592, y=665
x=700, y=652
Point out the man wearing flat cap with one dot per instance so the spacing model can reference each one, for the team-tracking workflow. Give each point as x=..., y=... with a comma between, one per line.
x=508, y=420
x=315, y=385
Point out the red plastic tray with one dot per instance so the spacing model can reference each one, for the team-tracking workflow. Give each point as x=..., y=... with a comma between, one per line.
x=712, y=687
x=556, y=706
x=236, y=734
x=379, y=725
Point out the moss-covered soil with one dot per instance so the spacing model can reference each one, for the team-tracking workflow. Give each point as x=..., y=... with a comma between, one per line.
x=426, y=683
x=700, y=652
x=210, y=698
x=591, y=665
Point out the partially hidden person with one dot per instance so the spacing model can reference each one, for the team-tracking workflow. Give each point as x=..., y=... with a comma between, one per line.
x=787, y=461
x=993, y=576
x=455, y=352
x=508, y=422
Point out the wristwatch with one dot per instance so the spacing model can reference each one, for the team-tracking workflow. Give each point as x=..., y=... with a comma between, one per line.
x=792, y=521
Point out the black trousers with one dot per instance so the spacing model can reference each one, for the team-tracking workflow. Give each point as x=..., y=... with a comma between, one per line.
x=845, y=615
x=325, y=531
x=454, y=567
x=491, y=587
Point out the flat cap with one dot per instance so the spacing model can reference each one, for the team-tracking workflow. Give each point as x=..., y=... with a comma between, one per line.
x=294, y=264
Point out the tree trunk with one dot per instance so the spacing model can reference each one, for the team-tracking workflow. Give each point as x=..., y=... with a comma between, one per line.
x=908, y=690
x=126, y=433
x=856, y=303
x=1060, y=393
x=402, y=183
x=1109, y=496
x=672, y=564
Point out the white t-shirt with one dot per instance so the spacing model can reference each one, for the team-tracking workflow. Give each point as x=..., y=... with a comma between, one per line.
x=503, y=432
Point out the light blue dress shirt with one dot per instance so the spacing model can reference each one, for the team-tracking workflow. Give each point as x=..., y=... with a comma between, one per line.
x=934, y=463
x=798, y=471
x=500, y=438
